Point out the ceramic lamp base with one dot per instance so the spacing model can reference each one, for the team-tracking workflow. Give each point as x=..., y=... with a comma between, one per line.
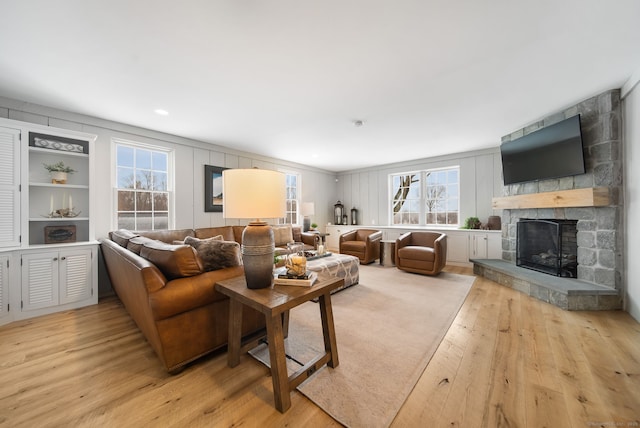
x=257, y=254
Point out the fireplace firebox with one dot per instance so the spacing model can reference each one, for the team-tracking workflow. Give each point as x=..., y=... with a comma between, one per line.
x=548, y=246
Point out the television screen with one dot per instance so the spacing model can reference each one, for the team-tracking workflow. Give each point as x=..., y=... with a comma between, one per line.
x=551, y=152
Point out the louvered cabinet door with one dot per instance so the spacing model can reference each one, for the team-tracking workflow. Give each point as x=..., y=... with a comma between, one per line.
x=75, y=275
x=39, y=280
x=9, y=187
x=4, y=289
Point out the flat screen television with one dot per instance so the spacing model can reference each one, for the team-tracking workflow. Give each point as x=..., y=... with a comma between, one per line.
x=550, y=152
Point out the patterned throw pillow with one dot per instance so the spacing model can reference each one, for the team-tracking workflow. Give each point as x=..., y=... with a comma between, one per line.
x=216, y=254
x=215, y=238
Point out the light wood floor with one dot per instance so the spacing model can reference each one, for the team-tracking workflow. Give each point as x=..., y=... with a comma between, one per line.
x=507, y=361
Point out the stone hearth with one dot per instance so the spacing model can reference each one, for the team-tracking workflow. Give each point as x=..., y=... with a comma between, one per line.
x=566, y=293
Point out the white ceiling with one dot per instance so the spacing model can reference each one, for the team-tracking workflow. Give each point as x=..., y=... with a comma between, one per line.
x=287, y=78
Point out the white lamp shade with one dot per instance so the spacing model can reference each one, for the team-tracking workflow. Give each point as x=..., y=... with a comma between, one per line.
x=307, y=209
x=253, y=193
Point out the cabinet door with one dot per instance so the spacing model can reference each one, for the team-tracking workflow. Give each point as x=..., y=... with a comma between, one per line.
x=494, y=246
x=457, y=247
x=9, y=187
x=4, y=289
x=478, y=246
x=75, y=275
x=39, y=280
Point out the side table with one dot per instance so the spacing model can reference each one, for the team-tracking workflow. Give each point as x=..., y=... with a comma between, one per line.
x=275, y=302
x=387, y=252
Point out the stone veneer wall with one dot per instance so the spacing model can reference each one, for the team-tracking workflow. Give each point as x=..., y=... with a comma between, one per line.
x=600, y=229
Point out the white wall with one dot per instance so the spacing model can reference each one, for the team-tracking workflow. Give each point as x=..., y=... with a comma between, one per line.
x=631, y=107
x=480, y=181
x=190, y=158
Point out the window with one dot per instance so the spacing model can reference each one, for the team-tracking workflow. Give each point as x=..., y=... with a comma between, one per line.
x=143, y=186
x=293, y=203
x=427, y=198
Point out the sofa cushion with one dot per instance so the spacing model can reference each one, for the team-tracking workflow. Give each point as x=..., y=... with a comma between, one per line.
x=135, y=244
x=122, y=236
x=282, y=235
x=175, y=261
x=166, y=235
x=216, y=253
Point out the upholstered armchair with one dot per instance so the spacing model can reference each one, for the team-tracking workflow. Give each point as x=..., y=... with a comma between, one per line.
x=361, y=243
x=421, y=252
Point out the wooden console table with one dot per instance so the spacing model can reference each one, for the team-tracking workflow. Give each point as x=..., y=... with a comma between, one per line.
x=275, y=302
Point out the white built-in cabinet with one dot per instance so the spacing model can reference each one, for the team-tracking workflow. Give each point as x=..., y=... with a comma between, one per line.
x=485, y=245
x=48, y=252
x=4, y=288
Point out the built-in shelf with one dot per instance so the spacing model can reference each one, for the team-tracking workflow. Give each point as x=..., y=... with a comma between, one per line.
x=47, y=219
x=588, y=197
x=60, y=186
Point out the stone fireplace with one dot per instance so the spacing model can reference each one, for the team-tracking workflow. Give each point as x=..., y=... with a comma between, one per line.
x=599, y=229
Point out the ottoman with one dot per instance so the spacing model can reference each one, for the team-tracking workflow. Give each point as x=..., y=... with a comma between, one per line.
x=336, y=266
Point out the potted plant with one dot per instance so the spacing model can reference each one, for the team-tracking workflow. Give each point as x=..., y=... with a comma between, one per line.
x=472, y=223
x=314, y=226
x=59, y=172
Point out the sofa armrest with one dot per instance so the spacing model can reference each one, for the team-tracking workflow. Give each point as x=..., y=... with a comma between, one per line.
x=309, y=238
x=185, y=294
x=440, y=249
x=375, y=237
x=403, y=240
x=348, y=236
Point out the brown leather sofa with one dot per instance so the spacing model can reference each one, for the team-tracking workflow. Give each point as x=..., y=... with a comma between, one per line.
x=361, y=243
x=421, y=252
x=168, y=294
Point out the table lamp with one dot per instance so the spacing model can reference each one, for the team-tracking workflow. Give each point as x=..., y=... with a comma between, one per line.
x=255, y=194
x=307, y=210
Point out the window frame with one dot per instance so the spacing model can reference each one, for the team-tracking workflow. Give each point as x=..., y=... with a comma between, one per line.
x=421, y=200
x=170, y=180
x=298, y=199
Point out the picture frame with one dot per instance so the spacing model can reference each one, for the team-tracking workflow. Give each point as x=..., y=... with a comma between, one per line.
x=213, y=188
x=59, y=234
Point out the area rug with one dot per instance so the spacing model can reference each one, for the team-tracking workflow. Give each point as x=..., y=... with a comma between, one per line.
x=387, y=327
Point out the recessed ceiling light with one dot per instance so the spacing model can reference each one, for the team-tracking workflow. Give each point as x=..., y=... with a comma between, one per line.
x=161, y=112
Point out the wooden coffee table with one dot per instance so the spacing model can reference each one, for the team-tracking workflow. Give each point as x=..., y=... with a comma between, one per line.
x=275, y=303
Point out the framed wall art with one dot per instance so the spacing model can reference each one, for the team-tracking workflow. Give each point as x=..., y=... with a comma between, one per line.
x=213, y=188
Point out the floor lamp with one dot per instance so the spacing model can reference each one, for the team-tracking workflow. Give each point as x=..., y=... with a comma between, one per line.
x=255, y=194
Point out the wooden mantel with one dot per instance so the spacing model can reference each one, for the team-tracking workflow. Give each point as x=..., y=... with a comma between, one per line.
x=589, y=197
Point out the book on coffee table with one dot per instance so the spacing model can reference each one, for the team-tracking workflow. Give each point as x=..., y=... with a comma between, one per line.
x=306, y=280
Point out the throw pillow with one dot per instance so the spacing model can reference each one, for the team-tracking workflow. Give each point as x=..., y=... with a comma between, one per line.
x=215, y=253
x=175, y=261
x=215, y=238
x=135, y=244
x=282, y=235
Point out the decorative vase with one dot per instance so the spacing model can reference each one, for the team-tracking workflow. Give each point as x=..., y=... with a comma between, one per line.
x=58, y=177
